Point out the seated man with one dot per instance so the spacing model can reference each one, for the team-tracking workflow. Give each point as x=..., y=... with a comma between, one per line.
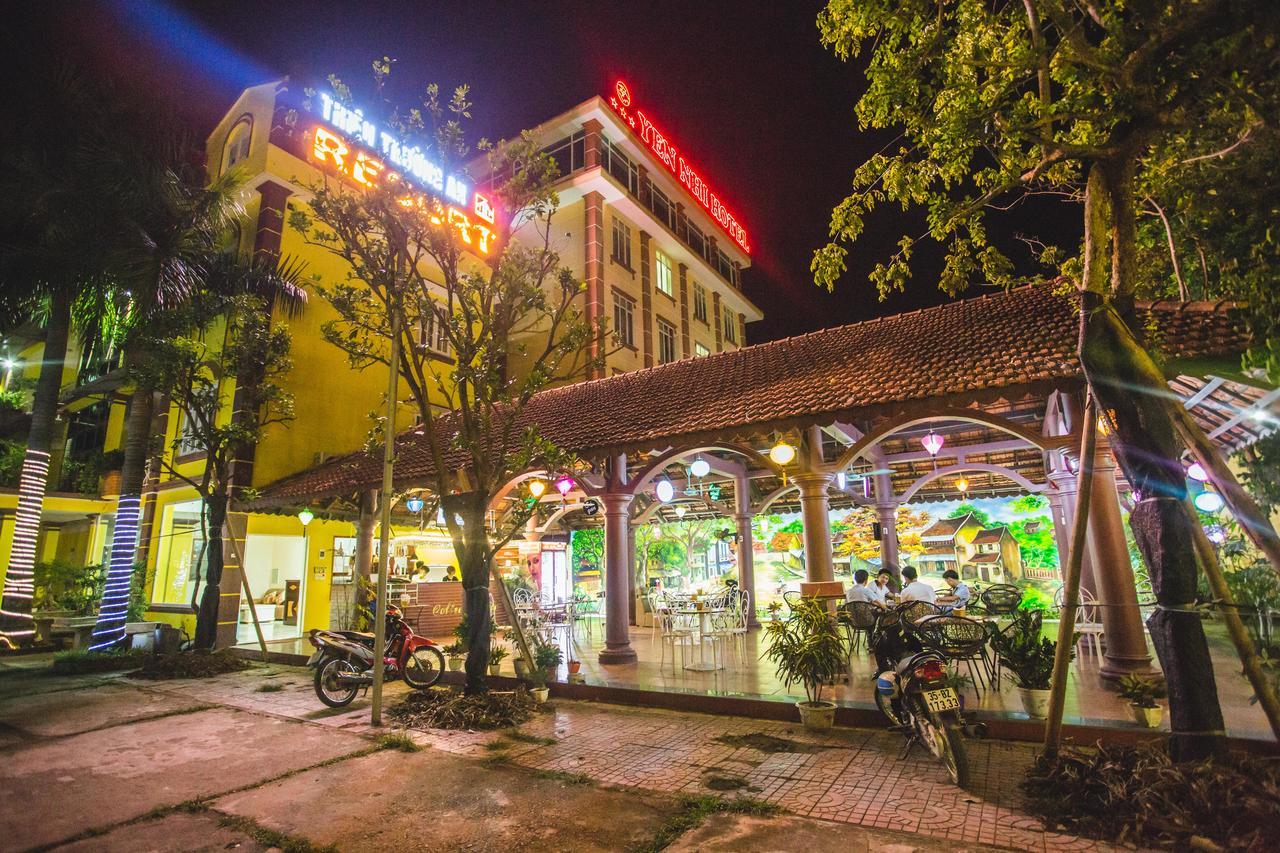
x=915, y=589
x=861, y=591
x=884, y=586
x=958, y=597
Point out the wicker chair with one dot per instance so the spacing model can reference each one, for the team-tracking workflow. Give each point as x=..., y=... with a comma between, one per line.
x=859, y=618
x=958, y=638
x=1001, y=599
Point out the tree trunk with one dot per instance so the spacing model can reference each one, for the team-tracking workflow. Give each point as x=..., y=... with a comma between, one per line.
x=474, y=565
x=124, y=534
x=211, y=597
x=16, y=624
x=1129, y=387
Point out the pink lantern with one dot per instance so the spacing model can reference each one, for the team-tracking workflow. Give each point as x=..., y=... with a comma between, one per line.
x=564, y=485
x=933, y=443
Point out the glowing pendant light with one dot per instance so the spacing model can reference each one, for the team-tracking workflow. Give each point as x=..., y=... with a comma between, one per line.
x=564, y=485
x=700, y=467
x=414, y=504
x=1196, y=472
x=1209, y=501
x=933, y=442
x=305, y=516
x=680, y=511
x=782, y=453
x=962, y=484
x=537, y=487
x=665, y=490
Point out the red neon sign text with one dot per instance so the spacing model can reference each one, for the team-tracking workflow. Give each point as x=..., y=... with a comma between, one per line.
x=680, y=168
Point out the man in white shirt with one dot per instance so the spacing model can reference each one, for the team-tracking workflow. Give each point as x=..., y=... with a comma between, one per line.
x=915, y=590
x=861, y=591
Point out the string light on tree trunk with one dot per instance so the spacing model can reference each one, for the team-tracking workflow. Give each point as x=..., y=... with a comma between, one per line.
x=109, y=631
x=19, y=580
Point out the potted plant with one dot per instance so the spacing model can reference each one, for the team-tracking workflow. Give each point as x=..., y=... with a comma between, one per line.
x=1142, y=693
x=1029, y=656
x=497, y=655
x=546, y=658
x=112, y=462
x=456, y=653
x=809, y=647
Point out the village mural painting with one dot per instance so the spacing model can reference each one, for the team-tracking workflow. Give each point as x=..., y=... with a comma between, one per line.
x=987, y=540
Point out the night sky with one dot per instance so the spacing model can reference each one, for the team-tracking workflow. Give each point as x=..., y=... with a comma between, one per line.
x=744, y=88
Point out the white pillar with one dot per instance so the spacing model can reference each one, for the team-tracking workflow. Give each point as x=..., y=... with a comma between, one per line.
x=618, y=592
x=814, y=508
x=746, y=551
x=887, y=515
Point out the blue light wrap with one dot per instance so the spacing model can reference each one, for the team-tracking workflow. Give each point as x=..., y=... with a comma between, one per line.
x=115, y=595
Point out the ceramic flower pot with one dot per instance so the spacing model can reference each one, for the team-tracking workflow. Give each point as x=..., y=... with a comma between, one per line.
x=574, y=666
x=1147, y=717
x=1035, y=702
x=540, y=694
x=495, y=668
x=817, y=716
x=455, y=664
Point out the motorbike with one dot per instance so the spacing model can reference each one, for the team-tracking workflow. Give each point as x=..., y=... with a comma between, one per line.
x=344, y=660
x=912, y=692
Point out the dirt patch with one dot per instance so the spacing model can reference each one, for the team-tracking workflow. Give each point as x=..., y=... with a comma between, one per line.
x=189, y=665
x=767, y=743
x=447, y=709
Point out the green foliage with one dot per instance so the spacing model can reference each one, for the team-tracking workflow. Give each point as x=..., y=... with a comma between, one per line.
x=11, y=455
x=1260, y=471
x=1142, y=691
x=497, y=654
x=1027, y=504
x=138, y=598
x=12, y=400
x=463, y=629
x=1025, y=652
x=1036, y=600
x=398, y=742
x=62, y=585
x=588, y=548
x=546, y=658
x=808, y=646
x=980, y=516
x=1039, y=547
x=691, y=811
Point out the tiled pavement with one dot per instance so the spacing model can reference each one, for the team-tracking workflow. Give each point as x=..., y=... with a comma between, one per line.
x=848, y=775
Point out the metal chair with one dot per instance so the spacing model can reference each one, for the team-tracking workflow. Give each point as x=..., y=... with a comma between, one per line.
x=914, y=611
x=859, y=618
x=959, y=639
x=1001, y=599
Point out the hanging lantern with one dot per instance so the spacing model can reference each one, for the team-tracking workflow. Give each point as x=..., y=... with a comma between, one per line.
x=413, y=504
x=665, y=490
x=782, y=453
x=680, y=511
x=700, y=467
x=537, y=487
x=962, y=484
x=564, y=485
x=1196, y=472
x=305, y=516
x=1209, y=501
x=933, y=442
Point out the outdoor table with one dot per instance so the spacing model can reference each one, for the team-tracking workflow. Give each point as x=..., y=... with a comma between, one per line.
x=701, y=664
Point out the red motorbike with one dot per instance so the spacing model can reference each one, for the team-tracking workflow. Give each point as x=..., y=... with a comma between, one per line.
x=344, y=660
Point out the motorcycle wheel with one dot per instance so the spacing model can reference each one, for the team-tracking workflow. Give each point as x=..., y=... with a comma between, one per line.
x=328, y=689
x=944, y=740
x=423, y=668
x=885, y=704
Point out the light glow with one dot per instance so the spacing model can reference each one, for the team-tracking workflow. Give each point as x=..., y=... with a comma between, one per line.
x=782, y=453
x=665, y=490
x=537, y=487
x=413, y=504
x=700, y=467
x=933, y=442
x=305, y=516
x=109, y=630
x=564, y=485
x=680, y=168
x=962, y=483
x=1196, y=472
x=680, y=511
x=20, y=580
x=1209, y=501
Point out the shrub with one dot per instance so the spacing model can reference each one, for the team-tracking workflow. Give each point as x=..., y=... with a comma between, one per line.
x=546, y=658
x=1025, y=652
x=808, y=646
x=62, y=585
x=1037, y=600
x=11, y=454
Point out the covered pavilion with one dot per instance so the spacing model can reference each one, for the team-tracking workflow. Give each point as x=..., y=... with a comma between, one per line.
x=995, y=377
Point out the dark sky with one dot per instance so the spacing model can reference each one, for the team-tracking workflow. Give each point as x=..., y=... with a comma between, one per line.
x=744, y=88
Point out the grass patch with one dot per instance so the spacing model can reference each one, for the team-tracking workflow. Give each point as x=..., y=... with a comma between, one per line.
x=766, y=743
x=496, y=745
x=271, y=838
x=399, y=741
x=692, y=811
x=190, y=665
x=1139, y=796
x=565, y=777
x=442, y=708
x=524, y=737
x=84, y=662
x=269, y=687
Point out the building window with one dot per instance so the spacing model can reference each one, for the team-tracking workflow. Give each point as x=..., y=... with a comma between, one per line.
x=662, y=206
x=663, y=265
x=433, y=334
x=724, y=266
x=188, y=443
x=730, y=326
x=237, y=148
x=624, y=311
x=699, y=302
x=617, y=163
x=699, y=350
x=621, y=242
x=666, y=342
x=696, y=239
x=569, y=153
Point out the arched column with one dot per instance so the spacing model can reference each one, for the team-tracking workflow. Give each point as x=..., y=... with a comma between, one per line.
x=746, y=551
x=814, y=515
x=887, y=515
x=1125, y=643
x=1062, y=508
x=631, y=573
x=618, y=591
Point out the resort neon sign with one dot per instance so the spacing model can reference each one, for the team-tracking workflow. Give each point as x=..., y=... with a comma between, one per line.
x=683, y=171
x=359, y=150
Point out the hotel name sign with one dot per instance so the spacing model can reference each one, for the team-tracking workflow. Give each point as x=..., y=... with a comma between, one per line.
x=681, y=169
x=346, y=142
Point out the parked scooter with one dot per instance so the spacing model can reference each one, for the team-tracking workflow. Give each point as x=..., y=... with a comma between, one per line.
x=344, y=660
x=912, y=692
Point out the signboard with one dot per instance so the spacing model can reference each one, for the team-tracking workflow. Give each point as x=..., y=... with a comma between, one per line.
x=590, y=506
x=345, y=142
x=681, y=169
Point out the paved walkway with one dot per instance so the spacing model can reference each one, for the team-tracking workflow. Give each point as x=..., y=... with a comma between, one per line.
x=850, y=776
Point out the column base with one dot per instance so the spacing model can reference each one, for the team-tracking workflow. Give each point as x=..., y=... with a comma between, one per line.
x=1114, y=668
x=622, y=654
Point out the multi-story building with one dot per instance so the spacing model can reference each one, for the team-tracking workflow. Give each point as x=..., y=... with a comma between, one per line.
x=989, y=554
x=660, y=254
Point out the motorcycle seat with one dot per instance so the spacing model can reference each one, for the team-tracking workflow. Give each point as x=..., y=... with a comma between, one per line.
x=358, y=636
x=909, y=662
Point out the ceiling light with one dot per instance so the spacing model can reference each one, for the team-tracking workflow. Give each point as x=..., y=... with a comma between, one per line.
x=782, y=453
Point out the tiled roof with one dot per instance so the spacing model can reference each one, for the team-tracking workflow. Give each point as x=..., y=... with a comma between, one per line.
x=1008, y=340
x=945, y=526
x=940, y=551
x=985, y=558
x=991, y=534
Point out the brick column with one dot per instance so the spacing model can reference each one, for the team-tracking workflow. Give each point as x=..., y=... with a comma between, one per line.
x=270, y=230
x=593, y=241
x=646, y=300
x=686, y=349
x=715, y=309
x=232, y=572
x=592, y=129
x=618, y=593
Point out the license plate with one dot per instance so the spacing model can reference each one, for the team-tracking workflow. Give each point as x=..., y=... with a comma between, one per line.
x=941, y=700
x=315, y=656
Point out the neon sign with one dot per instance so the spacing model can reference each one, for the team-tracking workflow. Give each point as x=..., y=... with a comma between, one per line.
x=665, y=151
x=358, y=149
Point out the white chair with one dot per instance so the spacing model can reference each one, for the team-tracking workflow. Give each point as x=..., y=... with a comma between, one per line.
x=1088, y=627
x=675, y=631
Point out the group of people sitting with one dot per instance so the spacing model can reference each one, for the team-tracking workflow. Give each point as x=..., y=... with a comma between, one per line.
x=881, y=590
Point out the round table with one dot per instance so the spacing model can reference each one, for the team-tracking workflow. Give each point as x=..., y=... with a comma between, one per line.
x=701, y=664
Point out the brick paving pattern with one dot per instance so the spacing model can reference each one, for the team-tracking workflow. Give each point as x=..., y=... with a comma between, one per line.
x=847, y=775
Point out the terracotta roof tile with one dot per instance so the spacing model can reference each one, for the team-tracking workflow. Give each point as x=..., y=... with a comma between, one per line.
x=999, y=341
x=991, y=534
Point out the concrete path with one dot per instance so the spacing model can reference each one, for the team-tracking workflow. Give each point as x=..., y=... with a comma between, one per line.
x=251, y=761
